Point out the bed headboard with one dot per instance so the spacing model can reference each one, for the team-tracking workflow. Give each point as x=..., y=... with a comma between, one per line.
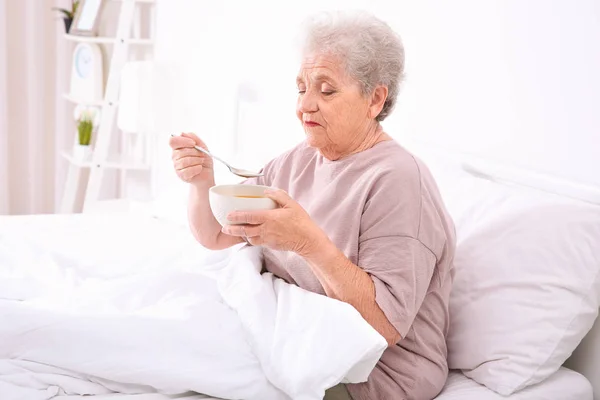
x=586, y=358
x=535, y=180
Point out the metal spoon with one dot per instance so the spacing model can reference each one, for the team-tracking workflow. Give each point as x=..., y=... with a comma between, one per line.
x=237, y=171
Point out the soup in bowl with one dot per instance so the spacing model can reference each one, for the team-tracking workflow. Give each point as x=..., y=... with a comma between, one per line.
x=224, y=199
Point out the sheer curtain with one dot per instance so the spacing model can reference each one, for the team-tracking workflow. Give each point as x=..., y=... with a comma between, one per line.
x=32, y=114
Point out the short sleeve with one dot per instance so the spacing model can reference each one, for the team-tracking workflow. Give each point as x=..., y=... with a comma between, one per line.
x=400, y=265
x=401, y=269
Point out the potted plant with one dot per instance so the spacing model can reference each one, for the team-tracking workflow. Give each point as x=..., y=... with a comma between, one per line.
x=86, y=123
x=68, y=14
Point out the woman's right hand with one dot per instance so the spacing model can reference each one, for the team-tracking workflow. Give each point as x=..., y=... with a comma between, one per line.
x=191, y=165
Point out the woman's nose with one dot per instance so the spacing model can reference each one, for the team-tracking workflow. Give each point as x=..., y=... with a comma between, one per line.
x=307, y=103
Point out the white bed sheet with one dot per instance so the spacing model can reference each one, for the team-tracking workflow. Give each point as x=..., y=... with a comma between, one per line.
x=51, y=259
x=563, y=385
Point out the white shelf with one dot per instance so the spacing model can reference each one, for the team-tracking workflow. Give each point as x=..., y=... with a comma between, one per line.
x=106, y=39
x=112, y=163
x=72, y=99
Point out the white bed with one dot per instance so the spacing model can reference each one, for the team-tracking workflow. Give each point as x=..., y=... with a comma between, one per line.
x=564, y=385
x=138, y=240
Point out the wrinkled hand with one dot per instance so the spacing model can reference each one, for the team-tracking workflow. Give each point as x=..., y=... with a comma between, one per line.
x=288, y=228
x=191, y=165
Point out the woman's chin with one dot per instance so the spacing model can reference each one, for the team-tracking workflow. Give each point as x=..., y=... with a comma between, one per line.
x=314, y=141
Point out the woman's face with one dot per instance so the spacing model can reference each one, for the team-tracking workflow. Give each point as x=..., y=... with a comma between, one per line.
x=336, y=116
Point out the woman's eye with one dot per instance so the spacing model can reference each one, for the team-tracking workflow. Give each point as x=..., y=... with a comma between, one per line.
x=327, y=93
x=301, y=91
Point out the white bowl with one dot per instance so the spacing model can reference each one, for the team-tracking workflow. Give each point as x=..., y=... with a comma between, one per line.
x=224, y=199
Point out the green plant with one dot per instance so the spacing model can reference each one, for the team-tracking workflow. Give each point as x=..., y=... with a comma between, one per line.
x=85, y=126
x=68, y=14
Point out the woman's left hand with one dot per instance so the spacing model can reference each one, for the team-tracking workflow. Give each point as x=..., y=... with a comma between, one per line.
x=288, y=228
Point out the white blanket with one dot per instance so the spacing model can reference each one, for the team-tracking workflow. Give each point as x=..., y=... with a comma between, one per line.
x=220, y=328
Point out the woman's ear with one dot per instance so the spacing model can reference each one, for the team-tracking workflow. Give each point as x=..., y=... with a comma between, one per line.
x=378, y=98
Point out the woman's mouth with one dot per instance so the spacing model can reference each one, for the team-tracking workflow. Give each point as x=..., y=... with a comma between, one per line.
x=311, y=123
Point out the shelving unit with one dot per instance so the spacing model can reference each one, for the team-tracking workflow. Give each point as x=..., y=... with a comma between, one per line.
x=102, y=157
x=73, y=100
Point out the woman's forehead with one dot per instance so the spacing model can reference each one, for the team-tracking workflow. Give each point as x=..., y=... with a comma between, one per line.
x=320, y=68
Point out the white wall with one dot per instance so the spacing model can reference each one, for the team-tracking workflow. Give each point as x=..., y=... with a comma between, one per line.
x=512, y=80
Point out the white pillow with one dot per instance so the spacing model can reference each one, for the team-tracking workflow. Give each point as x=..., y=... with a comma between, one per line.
x=526, y=288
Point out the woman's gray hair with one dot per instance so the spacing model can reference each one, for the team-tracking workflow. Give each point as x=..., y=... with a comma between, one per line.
x=372, y=52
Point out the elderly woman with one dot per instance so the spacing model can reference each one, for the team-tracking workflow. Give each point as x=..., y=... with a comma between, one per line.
x=360, y=219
